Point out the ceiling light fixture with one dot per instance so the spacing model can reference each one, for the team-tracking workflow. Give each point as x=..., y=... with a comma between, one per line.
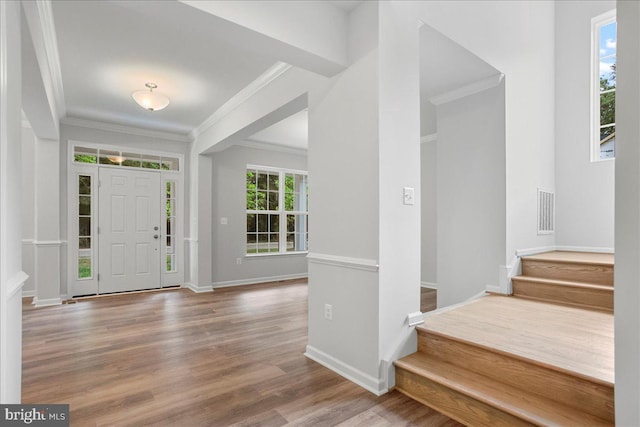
x=150, y=100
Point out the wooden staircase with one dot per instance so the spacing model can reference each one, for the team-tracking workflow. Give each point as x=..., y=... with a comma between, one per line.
x=575, y=279
x=538, y=359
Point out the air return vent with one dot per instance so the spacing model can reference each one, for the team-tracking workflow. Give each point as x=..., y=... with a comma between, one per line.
x=546, y=211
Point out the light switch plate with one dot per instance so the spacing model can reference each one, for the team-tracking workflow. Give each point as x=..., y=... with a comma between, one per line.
x=407, y=195
x=224, y=221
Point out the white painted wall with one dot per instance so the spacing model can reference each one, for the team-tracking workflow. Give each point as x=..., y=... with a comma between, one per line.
x=11, y=275
x=471, y=208
x=627, y=216
x=516, y=38
x=584, y=189
x=229, y=201
x=429, y=223
x=28, y=209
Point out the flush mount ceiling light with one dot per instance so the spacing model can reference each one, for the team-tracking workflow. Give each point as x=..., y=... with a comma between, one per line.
x=150, y=100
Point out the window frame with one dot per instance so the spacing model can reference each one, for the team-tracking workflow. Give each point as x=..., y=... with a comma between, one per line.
x=596, y=24
x=282, y=212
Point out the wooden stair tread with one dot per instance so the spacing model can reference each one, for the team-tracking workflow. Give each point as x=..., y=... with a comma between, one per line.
x=531, y=408
x=567, y=339
x=592, y=258
x=569, y=283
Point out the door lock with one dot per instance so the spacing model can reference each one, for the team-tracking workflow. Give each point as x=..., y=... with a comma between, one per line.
x=155, y=236
x=155, y=228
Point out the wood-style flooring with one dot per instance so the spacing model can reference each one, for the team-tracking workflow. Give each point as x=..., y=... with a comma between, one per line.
x=177, y=358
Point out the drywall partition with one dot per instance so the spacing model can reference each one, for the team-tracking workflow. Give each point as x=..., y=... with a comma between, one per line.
x=28, y=207
x=584, y=189
x=12, y=277
x=429, y=223
x=517, y=39
x=627, y=216
x=471, y=206
x=364, y=259
x=229, y=207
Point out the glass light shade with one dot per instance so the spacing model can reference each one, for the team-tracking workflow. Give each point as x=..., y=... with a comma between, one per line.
x=152, y=101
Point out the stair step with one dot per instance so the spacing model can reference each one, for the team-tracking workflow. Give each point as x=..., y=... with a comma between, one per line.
x=543, y=349
x=572, y=266
x=475, y=399
x=564, y=292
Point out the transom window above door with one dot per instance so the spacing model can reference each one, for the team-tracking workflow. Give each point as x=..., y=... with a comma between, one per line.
x=123, y=158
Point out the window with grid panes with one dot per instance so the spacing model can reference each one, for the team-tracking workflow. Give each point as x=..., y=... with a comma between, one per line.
x=277, y=211
x=604, y=38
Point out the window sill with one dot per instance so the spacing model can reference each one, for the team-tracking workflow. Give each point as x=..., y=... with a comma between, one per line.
x=276, y=254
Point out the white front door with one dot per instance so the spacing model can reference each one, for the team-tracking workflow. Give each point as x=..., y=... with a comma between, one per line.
x=129, y=230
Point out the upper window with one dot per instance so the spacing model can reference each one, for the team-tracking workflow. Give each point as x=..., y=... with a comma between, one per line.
x=120, y=158
x=277, y=201
x=603, y=131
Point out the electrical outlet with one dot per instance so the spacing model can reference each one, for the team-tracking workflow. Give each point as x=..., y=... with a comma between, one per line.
x=328, y=311
x=238, y=261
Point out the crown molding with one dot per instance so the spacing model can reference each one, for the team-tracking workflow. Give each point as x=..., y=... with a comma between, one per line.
x=130, y=130
x=259, y=145
x=47, y=26
x=470, y=89
x=432, y=137
x=247, y=92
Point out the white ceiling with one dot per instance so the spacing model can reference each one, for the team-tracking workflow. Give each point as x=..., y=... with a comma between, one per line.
x=110, y=49
x=290, y=132
x=445, y=65
x=346, y=5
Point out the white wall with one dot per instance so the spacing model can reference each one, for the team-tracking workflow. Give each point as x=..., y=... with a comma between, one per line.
x=516, y=38
x=28, y=209
x=11, y=275
x=627, y=216
x=584, y=189
x=229, y=201
x=429, y=223
x=471, y=207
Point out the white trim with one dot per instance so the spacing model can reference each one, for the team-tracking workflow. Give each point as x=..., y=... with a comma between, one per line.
x=258, y=280
x=366, y=381
x=46, y=302
x=130, y=130
x=47, y=242
x=470, y=89
x=343, y=261
x=585, y=249
x=28, y=294
x=429, y=285
x=27, y=241
x=198, y=288
x=247, y=92
x=50, y=39
x=542, y=249
x=432, y=137
x=275, y=169
x=277, y=254
x=533, y=251
x=259, y=145
x=15, y=283
x=190, y=240
x=494, y=289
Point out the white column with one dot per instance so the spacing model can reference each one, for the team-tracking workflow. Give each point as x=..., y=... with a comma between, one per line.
x=47, y=222
x=627, y=216
x=12, y=277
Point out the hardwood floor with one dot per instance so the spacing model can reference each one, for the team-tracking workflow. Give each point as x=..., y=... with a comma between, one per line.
x=428, y=299
x=231, y=357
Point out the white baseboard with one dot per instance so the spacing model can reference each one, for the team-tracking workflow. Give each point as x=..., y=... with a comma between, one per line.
x=366, y=381
x=28, y=294
x=533, y=251
x=495, y=289
x=585, y=249
x=198, y=288
x=429, y=285
x=257, y=280
x=46, y=302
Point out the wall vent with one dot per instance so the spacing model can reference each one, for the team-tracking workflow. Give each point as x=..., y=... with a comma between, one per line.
x=546, y=211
